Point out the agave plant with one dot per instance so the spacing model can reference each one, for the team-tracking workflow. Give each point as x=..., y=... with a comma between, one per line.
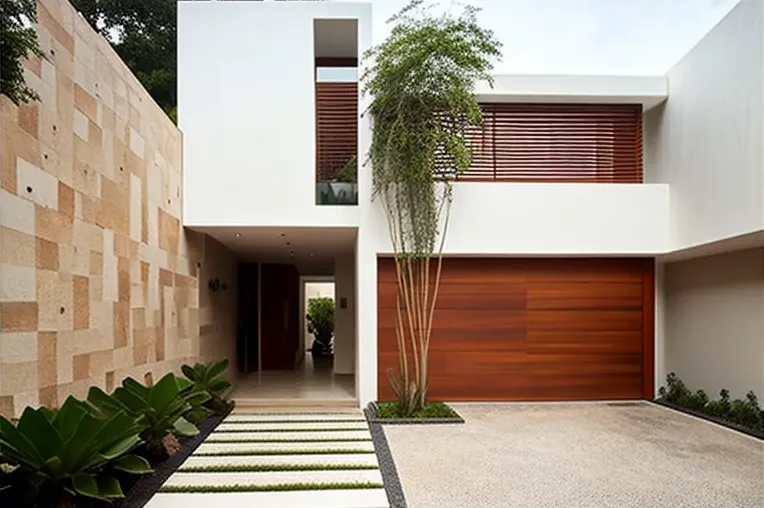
x=69, y=452
x=161, y=409
x=209, y=379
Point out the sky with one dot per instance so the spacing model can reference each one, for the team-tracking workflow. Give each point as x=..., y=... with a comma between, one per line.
x=617, y=37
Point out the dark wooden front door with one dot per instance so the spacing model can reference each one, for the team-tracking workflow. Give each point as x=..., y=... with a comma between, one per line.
x=280, y=295
x=532, y=329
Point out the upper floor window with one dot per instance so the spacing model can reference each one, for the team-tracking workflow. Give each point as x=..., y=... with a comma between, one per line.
x=558, y=143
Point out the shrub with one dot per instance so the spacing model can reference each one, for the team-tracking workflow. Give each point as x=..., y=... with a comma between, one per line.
x=209, y=379
x=161, y=409
x=321, y=323
x=61, y=454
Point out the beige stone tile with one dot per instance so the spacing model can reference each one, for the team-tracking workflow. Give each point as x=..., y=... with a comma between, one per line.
x=46, y=254
x=136, y=208
x=18, y=316
x=96, y=262
x=80, y=125
x=81, y=366
x=123, y=358
x=36, y=185
x=81, y=302
x=65, y=199
x=64, y=357
x=18, y=347
x=16, y=142
x=115, y=207
x=53, y=225
x=18, y=377
x=85, y=176
x=109, y=381
x=95, y=134
x=121, y=324
x=45, y=18
x=101, y=313
x=80, y=259
x=101, y=362
x=124, y=284
x=48, y=396
x=7, y=406
x=25, y=399
x=47, y=360
x=88, y=235
x=17, y=213
x=16, y=248
x=28, y=115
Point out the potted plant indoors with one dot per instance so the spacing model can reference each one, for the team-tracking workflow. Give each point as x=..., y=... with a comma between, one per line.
x=321, y=324
x=344, y=188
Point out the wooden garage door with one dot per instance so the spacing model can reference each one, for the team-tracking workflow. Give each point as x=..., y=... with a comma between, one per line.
x=533, y=329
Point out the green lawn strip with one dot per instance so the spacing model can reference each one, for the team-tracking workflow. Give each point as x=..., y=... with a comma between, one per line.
x=431, y=410
x=220, y=430
x=268, y=468
x=309, y=440
x=235, y=453
x=286, y=487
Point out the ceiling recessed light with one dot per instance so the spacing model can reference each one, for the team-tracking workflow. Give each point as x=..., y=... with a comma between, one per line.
x=289, y=243
x=238, y=235
x=291, y=253
x=311, y=254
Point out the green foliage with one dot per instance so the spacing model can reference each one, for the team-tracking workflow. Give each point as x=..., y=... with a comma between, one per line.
x=421, y=81
x=18, y=40
x=421, y=85
x=321, y=323
x=160, y=408
x=745, y=412
x=68, y=452
x=349, y=171
x=144, y=35
x=430, y=410
x=209, y=379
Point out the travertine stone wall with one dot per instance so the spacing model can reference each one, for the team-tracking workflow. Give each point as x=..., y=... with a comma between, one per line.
x=98, y=279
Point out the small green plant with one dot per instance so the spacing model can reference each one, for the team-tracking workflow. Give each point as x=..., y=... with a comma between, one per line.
x=161, y=409
x=216, y=285
x=349, y=171
x=430, y=410
x=65, y=453
x=321, y=324
x=744, y=412
x=210, y=379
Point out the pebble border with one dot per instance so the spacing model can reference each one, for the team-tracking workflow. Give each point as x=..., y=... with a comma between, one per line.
x=390, y=478
x=371, y=416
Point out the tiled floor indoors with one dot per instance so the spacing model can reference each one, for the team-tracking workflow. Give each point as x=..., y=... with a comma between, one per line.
x=289, y=460
x=309, y=381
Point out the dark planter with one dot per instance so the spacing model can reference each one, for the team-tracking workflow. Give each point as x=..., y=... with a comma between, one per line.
x=371, y=416
x=759, y=434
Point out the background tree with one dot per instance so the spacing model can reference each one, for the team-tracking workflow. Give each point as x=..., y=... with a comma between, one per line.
x=144, y=35
x=18, y=40
x=421, y=81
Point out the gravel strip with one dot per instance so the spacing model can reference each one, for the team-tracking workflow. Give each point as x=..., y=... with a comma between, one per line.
x=390, y=478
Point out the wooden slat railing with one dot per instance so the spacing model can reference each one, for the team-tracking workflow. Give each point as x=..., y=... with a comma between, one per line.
x=557, y=143
x=336, y=127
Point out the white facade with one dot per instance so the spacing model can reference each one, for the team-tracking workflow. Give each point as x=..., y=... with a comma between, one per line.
x=247, y=111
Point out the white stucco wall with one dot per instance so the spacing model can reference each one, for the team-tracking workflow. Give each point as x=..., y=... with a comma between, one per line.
x=714, y=322
x=344, y=319
x=246, y=106
x=707, y=141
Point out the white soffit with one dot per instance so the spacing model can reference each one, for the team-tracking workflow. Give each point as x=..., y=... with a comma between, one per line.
x=552, y=88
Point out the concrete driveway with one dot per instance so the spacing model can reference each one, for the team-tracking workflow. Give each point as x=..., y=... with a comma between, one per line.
x=579, y=456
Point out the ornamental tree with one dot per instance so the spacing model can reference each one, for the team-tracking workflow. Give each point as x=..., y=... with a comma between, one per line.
x=421, y=82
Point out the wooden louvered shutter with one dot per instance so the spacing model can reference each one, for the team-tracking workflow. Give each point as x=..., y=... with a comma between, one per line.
x=336, y=127
x=557, y=143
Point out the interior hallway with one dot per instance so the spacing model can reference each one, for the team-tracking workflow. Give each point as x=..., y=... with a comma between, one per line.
x=312, y=381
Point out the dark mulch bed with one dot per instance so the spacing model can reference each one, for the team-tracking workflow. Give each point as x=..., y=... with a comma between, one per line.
x=147, y=485
x=373, y=415
x=759, y=434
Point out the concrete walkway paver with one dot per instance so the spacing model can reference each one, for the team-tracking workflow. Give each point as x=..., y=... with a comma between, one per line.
x=577, y=455
x=264, y=444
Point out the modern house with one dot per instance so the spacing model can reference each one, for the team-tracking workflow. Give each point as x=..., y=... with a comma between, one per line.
x=610, y=231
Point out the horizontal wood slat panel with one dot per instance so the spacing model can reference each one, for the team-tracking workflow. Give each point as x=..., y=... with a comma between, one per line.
x=336, y=127
x=530, y=329
x=557, y=143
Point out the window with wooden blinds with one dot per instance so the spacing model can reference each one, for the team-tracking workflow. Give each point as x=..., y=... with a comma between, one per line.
x=336, y=127
x=557, y=143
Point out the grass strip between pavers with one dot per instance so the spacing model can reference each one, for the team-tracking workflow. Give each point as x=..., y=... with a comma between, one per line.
x=237, y=453
x=221, y=430
x=275, y=468
x=314, y=440
x=286, y=487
